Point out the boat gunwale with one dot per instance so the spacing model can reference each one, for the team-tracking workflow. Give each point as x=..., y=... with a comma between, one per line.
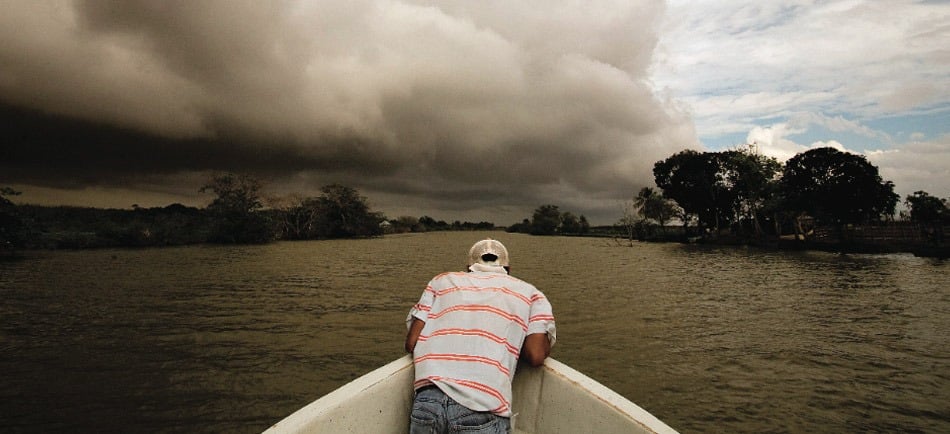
x=609, y=397
x=298, y=421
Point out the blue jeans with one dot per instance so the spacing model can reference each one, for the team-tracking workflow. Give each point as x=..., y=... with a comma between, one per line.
x=433, y=412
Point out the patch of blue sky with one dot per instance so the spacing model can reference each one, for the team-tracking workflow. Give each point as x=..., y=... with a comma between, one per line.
x=724, y=142
x=851, y=140
x=914, y=127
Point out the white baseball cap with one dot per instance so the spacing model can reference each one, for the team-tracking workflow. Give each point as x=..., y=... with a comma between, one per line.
x=476, y=255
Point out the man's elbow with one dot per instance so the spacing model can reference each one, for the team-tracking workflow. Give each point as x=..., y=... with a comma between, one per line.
x=535, y=360
x=412, y=337
x=536, y=349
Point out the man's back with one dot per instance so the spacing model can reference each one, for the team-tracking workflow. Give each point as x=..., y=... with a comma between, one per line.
x=467, y=333
x=475, y=325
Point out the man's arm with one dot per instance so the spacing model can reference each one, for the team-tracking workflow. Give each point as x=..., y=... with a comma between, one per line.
x=413, y=336
x=536, y=348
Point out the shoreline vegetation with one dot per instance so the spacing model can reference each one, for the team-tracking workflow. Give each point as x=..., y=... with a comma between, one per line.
x=76, y=228
x=821, y=199
x=881, y=238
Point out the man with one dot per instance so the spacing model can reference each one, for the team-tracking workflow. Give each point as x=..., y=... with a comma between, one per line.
x=466, y=334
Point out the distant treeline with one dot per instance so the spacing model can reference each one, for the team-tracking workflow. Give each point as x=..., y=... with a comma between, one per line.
x=546, y=220
x=237, y=215
x=64, y=227
x=406, y=224
x=549, y=220
x=734, y=196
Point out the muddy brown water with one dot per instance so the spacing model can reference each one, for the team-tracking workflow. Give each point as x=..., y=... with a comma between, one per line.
x=231, y=339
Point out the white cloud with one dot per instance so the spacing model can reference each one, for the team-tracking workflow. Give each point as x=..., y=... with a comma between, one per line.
x=911, y=166
x=762, y=60
x=836, y=124
x=916, y=166
x=771, y=141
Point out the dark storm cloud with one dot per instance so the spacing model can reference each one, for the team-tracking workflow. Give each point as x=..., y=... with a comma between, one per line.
x=60, y=152
x=441, y=105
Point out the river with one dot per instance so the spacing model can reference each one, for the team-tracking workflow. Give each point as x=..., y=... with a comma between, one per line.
x=223, y=339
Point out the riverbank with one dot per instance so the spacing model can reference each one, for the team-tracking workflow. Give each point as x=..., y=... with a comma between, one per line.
x=896, y=237
x=893, y=237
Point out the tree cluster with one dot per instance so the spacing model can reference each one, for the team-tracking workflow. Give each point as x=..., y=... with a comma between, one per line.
x=549, y=220
x=237, y=214
x=339, y=212
x=932, y=213
x=428, y=224
x=67, y=227
x=718, y=189
x=646, y=216
x=741, y=190
x=12, y=232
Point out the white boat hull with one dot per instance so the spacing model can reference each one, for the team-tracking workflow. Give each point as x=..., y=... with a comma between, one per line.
x=550, y=399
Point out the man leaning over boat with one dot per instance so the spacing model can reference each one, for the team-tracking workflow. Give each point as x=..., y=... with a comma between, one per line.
x=466, y=335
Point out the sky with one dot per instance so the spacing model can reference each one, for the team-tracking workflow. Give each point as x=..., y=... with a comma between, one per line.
x=459, y=110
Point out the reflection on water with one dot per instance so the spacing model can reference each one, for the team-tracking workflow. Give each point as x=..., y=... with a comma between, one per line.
x=231, y=339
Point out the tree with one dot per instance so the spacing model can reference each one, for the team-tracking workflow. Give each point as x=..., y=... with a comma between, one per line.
x=236, y=211
x=404, y=224
x=925, y=208
x=641, y=200
x=837, y=187
x=344, y=213
x=652, y=205
x=524, y=227
x=11, y=224
x=430, y=224
x=628, y=221
x=654, y=212
x=7, y=191
x=690, y=178
x=570, y=223
x=751, y=180
x=930, y=212
x=545, y=220
x=584, y=225
x=339, y=212
x=296, y=217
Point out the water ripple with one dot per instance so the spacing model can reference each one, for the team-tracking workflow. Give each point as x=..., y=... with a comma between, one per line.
x=231, y=339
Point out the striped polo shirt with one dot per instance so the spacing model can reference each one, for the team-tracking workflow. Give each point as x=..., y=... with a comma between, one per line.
x=475, y=325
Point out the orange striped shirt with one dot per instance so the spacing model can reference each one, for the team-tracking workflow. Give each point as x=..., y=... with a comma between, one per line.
x=475, y=325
